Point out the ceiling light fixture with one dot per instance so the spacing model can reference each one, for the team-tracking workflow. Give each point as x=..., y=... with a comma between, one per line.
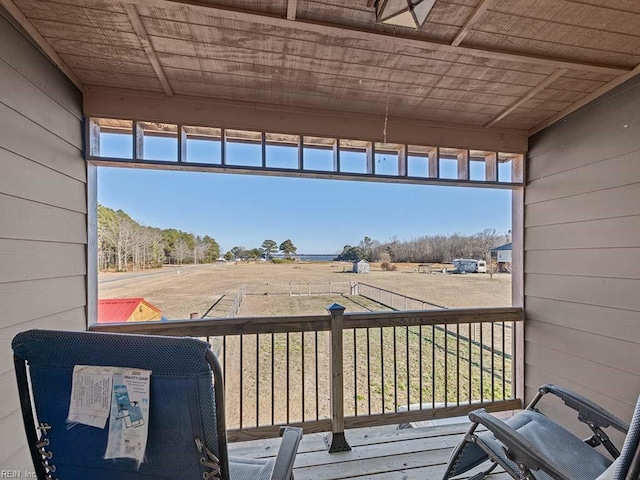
x=403, y=13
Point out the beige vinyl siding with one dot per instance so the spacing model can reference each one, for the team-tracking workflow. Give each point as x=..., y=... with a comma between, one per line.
x=582, y=253
x=43, y=215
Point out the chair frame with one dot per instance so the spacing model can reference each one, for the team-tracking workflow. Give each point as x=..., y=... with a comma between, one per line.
x=523, y=452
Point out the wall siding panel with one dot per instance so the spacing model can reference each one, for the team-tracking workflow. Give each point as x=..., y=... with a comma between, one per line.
x=43, y=221
x=27, y=220
x=29, y=180
x=585, y=317
x=25, y=97
x=582, y=244
x=66, y=320
x=24, y=260
x=17, y=133
x=28, y=60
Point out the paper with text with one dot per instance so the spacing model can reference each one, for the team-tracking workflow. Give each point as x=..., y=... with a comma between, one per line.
x=91, y=395
x=129, y=416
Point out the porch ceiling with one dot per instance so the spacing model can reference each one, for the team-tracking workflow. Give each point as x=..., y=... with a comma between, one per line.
x=497, y=64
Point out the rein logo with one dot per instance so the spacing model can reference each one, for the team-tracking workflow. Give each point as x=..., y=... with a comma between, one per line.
x=17, y=474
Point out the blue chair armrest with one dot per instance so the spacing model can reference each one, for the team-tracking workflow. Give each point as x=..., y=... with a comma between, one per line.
x=291, y=436
x=588, y=411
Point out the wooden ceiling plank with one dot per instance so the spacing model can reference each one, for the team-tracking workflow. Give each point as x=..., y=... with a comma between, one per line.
x=24, y=22
x=187, y=24
x=138, y=26
x=376, y=36
x=292, y=7
x=475, y=16
x=588, y=98
x=541, y=86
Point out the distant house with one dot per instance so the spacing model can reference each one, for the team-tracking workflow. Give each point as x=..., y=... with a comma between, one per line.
x=361, y=266
x=116, y=310
x=502, y=255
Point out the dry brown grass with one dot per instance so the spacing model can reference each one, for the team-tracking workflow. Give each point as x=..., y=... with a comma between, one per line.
x=179, y=291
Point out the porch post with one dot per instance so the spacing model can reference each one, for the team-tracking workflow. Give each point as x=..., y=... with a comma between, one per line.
x=336, y=441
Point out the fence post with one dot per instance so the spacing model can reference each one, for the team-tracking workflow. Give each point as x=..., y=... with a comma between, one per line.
x=337, y=441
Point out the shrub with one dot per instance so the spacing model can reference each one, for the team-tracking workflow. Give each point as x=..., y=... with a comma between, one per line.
x=278, y=261
x=388, y=267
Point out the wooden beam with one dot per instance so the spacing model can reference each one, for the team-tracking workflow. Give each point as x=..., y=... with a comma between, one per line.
x=434, y=163
x=475, y=16
x=370, y=36
x=40, y=41
x=105, y=102
x=534, y=91
x=463, y=165
x=491, y=167
x=138, y=26
x=589, y=98
x=403, y=160
x=292, y=7
x=371, y=158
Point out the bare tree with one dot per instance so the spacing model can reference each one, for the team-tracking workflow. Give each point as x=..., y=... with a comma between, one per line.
x=118, y=233
x=181, y=250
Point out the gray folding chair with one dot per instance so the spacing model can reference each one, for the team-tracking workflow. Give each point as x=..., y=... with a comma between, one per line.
x=186, y=427
x=531, y=446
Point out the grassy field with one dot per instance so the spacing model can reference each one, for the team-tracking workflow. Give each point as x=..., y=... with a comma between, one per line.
x=402, y=366
x=179, y=291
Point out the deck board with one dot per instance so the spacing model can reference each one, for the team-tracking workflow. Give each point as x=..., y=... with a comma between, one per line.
x=417, y=453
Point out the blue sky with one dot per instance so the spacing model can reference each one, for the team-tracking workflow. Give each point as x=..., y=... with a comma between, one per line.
x=319, y=216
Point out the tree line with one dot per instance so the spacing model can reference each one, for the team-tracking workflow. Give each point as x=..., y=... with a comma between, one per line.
x=125, y=244
x=267, y=250
x=426, y=249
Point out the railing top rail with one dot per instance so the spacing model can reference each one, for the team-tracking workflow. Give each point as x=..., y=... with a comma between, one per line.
x=221, y=326
x=432, y=317
x=310, y=323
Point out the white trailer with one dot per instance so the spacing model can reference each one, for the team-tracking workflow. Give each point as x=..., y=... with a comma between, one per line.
x=469, y=265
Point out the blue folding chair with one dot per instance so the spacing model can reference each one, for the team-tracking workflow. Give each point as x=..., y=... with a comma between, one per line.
x=186, y=428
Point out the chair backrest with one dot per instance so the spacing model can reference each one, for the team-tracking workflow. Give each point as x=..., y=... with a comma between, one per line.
x=629, y=462
x=185, y=410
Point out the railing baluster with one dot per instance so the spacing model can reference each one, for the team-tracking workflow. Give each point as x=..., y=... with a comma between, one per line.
x=395, y=369
x=481, y=364
x=288, y=380
x=420, y=364
x=317, y=378
x=382, y=366
x=355, y=375
x=469, y=366
x=257, y=380
x=493, y=370
x=446, y=365
x=408, y=377
x=273, y=390
x=504, y=376
x=302, y=373
x=433, y=366
x=457, y=364
x=241, y=381
x=368, y=372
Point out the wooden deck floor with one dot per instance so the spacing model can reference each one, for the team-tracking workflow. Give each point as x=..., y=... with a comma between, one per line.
x=377, y=453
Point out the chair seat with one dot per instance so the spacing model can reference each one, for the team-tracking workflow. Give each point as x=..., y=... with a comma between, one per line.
x=241, y=468
x=576, y=457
